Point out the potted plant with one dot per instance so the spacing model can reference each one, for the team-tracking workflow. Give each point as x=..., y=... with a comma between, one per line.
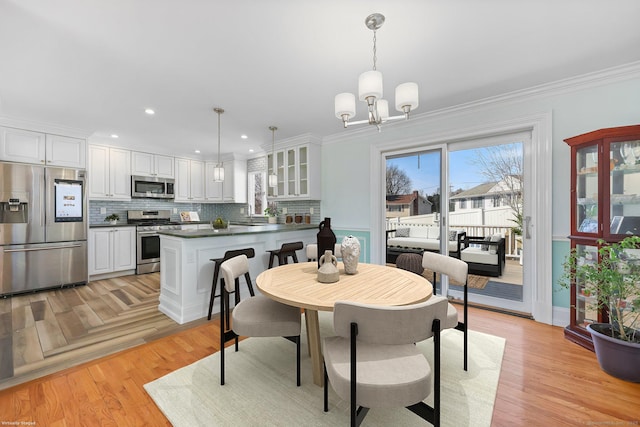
x=272, y=213
x=610, y=280
x=113, y=218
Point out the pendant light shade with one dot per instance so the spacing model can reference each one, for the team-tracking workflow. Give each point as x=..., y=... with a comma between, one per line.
x=218, y=170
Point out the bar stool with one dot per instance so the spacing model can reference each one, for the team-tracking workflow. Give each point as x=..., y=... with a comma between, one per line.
x=312, y=251
x=286, y=250
x=250, y=253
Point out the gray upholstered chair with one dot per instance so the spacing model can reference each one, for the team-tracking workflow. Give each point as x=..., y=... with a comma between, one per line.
x=257, y=316
x=458, y=271
x=312, y=251
x=374, y=364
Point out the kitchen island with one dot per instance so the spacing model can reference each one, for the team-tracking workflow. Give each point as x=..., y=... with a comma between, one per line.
x=186, y=270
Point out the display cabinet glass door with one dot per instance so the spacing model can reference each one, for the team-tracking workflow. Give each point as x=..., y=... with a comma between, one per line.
x=587, y=189
x=271, y=191
x=280, y=171
x=291, y=172
x=624, y=181
x=303, y=171
x=585, y=309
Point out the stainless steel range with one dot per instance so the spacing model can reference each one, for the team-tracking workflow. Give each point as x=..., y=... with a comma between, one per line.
x=148, y=223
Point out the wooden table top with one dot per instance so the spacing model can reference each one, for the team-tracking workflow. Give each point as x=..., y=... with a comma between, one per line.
x=297, y=285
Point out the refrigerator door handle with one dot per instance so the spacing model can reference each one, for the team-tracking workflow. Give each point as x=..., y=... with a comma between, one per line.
x=42, y=249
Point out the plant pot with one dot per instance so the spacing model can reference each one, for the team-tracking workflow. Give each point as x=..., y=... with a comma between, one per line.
x=616, y=357
x=113, y=221
x=272, y=219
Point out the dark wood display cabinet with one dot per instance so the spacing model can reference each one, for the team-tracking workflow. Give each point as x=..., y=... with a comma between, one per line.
x=605, y=205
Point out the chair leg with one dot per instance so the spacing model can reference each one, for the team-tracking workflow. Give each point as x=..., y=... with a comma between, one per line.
x=222, y=335
x=214, y=285
x=298, y=360
x=326, y=388
x=271, y=257
x=466, y=338
x=247, y=277
x=295, y=257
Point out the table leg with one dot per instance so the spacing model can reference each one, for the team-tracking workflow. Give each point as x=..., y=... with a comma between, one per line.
x=313, y=338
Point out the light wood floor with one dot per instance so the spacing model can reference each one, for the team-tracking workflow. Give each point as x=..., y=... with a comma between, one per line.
x=545, y=381
x=47, y=331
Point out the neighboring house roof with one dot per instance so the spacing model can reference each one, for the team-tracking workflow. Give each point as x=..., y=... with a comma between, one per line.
x=405, y=199
x=485, y=189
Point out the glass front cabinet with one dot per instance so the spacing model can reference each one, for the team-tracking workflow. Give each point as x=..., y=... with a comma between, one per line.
x=605, y=205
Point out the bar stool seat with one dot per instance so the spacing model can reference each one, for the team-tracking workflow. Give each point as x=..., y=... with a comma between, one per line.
x=286, y=251
x=250, y=253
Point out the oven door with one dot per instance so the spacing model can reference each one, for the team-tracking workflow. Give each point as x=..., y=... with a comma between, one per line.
x=148, y=252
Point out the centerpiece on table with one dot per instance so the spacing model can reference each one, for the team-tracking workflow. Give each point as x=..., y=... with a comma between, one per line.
x=611, y=282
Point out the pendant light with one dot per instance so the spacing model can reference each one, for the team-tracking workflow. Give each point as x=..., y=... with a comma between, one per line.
x=273, y=177
x=218, y=170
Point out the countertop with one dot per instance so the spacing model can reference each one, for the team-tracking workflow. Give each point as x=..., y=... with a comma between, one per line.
x=237, y=229
x=106, y=224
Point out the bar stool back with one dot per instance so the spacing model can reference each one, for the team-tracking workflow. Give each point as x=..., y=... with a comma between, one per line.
x=286, y=251
x=250, y=253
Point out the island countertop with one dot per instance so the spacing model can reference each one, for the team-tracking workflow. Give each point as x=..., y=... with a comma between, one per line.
x=234, y=230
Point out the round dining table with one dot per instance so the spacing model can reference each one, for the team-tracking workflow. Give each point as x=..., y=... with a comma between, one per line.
x=297, y=285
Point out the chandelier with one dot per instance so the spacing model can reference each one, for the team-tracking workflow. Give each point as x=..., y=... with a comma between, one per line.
x=370, y=90
x=273, y=178
x=218, y=170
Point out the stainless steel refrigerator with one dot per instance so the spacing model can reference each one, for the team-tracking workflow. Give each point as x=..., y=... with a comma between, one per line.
x=43, y=228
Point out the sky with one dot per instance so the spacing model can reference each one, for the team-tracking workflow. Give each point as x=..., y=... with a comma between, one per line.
x=425, y=172
x=425, y=176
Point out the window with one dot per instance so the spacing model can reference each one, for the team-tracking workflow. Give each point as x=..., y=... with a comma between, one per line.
x=257, y=182
x=478, y=202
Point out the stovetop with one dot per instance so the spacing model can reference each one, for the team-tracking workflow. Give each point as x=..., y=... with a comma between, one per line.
x=152, y=220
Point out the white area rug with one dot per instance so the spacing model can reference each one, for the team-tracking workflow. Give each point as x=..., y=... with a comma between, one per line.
x=260, y=387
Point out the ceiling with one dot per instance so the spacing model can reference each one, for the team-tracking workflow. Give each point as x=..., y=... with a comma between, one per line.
x=96, y=65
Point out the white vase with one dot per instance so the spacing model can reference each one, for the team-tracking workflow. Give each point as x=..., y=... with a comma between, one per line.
x=350, y=251
x=273, y=219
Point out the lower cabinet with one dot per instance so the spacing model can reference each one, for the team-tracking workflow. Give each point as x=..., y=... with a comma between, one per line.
x=111, y=250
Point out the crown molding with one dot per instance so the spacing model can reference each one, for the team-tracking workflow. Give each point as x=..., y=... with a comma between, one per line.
x=35, y=126
x=581, y=82
x=305, y=138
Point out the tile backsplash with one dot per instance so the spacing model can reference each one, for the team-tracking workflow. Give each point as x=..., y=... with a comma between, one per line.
x=206, y=211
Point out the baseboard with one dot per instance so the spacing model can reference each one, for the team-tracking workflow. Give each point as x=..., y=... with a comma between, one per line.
x=560, y=316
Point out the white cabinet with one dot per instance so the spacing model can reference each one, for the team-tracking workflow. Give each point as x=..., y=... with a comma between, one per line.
x=109, y=173
x=25, y=146
x=298, y=172
x=234, y=187
x=189, y=185
x=147, y=164
x=112, y=249
x=65, y=151
x=213, y=190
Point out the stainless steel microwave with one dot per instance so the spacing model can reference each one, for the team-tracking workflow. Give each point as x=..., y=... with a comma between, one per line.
x=152, y=187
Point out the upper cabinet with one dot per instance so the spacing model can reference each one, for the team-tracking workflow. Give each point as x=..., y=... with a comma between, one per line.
x=25, y=146
x=109, y=173
x=298, y=170
x=189, y=186
x=147, y=164
x=234, y=187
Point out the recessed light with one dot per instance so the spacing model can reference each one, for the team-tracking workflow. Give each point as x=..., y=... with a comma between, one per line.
x=251, y=150
x=113, y=135
x=197, y=151
x=244, y=136
x=149, y=111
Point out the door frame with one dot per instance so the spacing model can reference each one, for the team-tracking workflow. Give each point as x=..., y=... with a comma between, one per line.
x=539, y=252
